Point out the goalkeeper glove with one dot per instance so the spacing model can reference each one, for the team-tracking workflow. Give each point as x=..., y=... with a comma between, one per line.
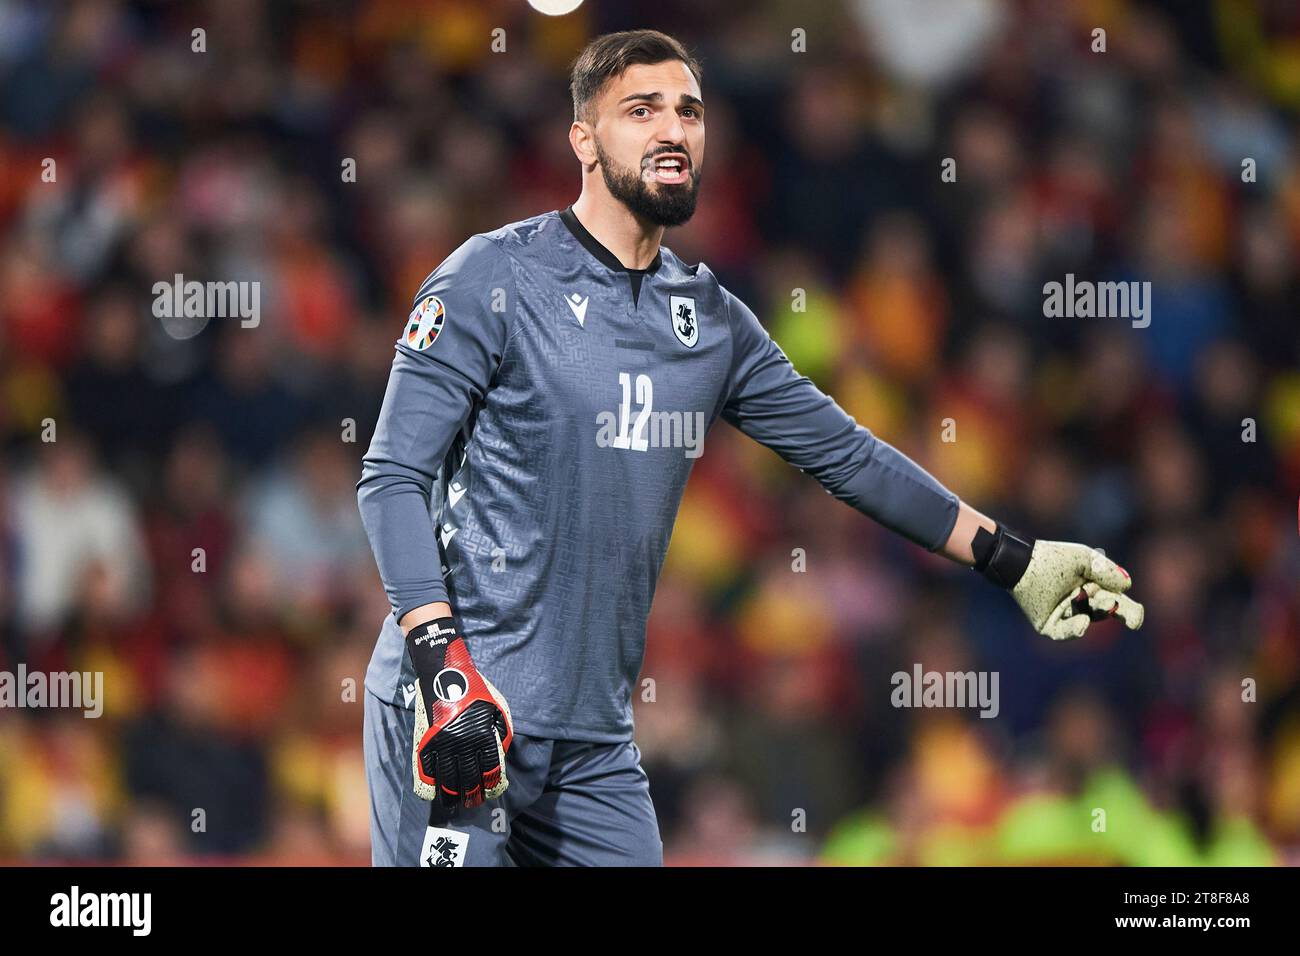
x=462, y=723
x=1061, y=587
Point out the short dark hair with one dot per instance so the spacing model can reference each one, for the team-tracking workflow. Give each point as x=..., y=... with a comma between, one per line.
x=610, y=55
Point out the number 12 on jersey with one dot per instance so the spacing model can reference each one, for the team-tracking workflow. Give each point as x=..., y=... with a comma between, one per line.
x=645, y=391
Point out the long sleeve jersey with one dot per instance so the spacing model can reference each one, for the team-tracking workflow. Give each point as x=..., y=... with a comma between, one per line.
x=542, y=415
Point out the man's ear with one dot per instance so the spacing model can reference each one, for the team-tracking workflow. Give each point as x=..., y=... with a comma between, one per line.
x=583, y=141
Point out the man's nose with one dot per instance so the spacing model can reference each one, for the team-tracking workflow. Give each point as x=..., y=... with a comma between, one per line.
x=672, y=131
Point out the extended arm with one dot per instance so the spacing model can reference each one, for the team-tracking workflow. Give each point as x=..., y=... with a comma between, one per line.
x=1061, y=587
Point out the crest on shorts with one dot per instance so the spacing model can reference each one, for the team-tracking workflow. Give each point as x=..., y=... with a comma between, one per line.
x=686, y=325
x=425, y=323
x=443, y=847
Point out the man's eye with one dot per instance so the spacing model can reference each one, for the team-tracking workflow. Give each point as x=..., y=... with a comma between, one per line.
x=640, y=109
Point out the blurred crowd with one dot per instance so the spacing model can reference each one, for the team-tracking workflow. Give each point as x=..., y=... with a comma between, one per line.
x=177, y=505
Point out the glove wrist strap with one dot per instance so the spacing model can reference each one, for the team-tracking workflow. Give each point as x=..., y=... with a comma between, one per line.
x=427, y=644
x=1001, y=556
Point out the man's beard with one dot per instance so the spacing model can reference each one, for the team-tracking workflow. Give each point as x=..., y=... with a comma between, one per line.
x=665, y=206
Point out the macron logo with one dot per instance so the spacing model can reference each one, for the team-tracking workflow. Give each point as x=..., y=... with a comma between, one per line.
x=578, y=303
x=454, y=493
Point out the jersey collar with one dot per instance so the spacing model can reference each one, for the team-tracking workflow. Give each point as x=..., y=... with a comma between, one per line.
x=593, y=245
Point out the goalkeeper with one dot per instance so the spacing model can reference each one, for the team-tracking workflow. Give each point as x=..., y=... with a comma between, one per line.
x=519, y=512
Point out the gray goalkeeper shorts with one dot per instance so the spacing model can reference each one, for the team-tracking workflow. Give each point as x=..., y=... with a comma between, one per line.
x=569, y=803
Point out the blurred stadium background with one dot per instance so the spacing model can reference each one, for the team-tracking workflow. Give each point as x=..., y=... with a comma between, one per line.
x=225, y=690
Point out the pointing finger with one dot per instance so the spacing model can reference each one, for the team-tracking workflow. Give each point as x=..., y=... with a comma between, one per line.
x=1107, y=573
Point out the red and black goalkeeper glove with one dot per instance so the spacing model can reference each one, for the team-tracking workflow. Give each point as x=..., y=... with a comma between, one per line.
x=462, y=723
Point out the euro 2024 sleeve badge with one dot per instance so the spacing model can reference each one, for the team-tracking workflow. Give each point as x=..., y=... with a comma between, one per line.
x=425, y=323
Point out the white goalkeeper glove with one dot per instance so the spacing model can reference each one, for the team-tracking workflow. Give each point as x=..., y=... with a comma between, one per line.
x=1062, y=587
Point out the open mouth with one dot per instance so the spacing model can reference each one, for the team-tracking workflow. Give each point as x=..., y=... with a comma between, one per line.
x=671, y=169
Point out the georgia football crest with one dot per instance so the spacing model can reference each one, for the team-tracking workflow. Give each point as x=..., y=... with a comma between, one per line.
x=686, y=325
x=425, y=323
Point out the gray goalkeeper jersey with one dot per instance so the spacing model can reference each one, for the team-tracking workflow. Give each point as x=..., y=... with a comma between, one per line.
x=543, y=411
